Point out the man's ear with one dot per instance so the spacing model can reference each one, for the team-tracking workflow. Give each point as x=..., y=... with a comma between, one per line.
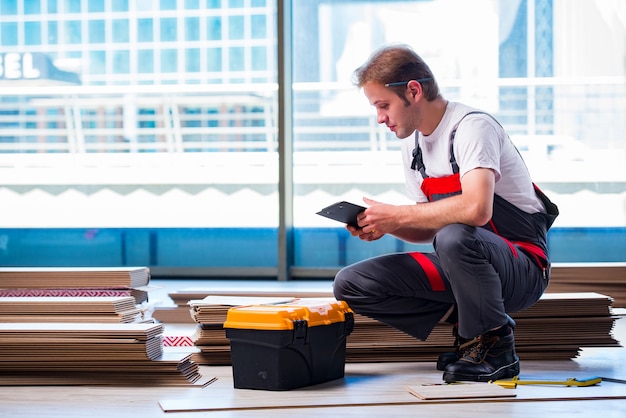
x=414, y=87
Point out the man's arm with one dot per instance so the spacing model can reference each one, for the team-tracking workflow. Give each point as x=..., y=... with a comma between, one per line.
x=419, y=222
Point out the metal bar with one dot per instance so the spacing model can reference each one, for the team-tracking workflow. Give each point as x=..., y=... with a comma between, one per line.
x=285, y=142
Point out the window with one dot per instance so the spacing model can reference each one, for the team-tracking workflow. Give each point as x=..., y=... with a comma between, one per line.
x=175, y=160
x=72, y=6
x=525, y=78
x=168, y=4
x=236, y=59
x=8, y=33
x=192, y=60
x=96, y=31
x=214, y=59
x=168, y=29
x=97, y=62
x=52, y=6
x=30, y=7
x=235, y=27
x=121, y=62
x=214, y=28
x=145, y=30
x=95, y=6
x=169, y=59
x=53, y=37
x=8, y=7
x=120, y=30
x=32, y=33
x=119, y=5
x=73, y=33
x=192, y=28
x=259, y=26
x=145, y=61
x=259, y=58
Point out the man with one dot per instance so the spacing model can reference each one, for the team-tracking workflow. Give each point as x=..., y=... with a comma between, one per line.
x=475, y=202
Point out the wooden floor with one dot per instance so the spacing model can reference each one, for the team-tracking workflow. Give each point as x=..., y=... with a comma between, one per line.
x=368, y=390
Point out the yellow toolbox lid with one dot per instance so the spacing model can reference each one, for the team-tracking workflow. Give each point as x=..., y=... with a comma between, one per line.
x=282, y=316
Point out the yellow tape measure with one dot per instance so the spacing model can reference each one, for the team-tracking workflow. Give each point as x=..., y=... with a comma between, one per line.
x=512, y=384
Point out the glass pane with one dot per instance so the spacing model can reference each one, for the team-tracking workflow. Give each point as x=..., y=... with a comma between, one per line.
x=236, y=59
x=96, y=31
x=168, y=29
x=8, y=33
x=72, y=32
x=214, y=59
x=52, y=33
x=214, y=28
x=192, y=60
x=121, y=62
x=145, y=61
x=168, y=4
x=145, y=30
x=259, y=26
x=561, y=107
x=166, y=153
x=95, y=6
x=72, y=6
x=32, y=33
x=192, y=28
x=97, y=62
x=169, y=60
x=30, y=7
x=235, y=27
x=8, y=7
x=119, y=5
x=120, y=30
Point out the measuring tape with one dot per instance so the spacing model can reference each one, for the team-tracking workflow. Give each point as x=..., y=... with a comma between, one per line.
x=512, y=384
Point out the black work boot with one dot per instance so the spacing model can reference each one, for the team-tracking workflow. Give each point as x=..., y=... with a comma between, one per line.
x=487, y=357
x=453, y=356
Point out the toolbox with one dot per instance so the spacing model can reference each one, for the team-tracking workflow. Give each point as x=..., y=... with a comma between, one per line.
x=286, y=346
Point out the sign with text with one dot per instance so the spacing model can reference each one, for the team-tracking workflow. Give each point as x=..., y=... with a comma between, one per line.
x=33, y=66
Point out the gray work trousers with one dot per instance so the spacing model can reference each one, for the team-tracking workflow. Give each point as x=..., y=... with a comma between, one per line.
x=478, y=271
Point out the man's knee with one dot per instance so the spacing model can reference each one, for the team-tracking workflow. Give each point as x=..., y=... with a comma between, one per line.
x=454, y=239
x=342, y=283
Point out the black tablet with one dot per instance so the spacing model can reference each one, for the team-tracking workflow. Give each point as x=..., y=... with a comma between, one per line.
x=345, y=212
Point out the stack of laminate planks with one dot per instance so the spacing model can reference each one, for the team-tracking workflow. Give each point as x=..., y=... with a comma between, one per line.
x=74, y=294
x=64, y=325
x=606, y=278
x=210, y=314
x=74, y=277
x=557, y=327
x=75, y=281
x=70, y=309
x=72, y=353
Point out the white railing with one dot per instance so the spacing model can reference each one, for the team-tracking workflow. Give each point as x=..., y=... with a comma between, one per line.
x=242, y=118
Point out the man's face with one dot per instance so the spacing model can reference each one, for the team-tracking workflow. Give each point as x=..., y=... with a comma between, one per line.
x=391, y=110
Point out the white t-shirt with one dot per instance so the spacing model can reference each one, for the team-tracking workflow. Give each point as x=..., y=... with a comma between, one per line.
x=480, y=142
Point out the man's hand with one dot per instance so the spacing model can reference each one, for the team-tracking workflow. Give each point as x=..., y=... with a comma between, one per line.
x=374, y=222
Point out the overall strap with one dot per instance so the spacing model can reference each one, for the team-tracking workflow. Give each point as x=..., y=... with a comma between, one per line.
x=418, y=159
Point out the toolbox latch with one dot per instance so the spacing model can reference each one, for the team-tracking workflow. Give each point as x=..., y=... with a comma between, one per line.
x=300, y=328
x=349, y=323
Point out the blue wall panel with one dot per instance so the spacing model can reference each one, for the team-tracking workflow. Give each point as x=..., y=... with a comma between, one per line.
x=253, y=247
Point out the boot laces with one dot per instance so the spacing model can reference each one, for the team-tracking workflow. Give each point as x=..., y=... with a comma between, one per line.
x=477, y=348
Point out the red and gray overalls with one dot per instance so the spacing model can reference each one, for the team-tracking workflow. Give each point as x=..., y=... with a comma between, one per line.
x=486, y=271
